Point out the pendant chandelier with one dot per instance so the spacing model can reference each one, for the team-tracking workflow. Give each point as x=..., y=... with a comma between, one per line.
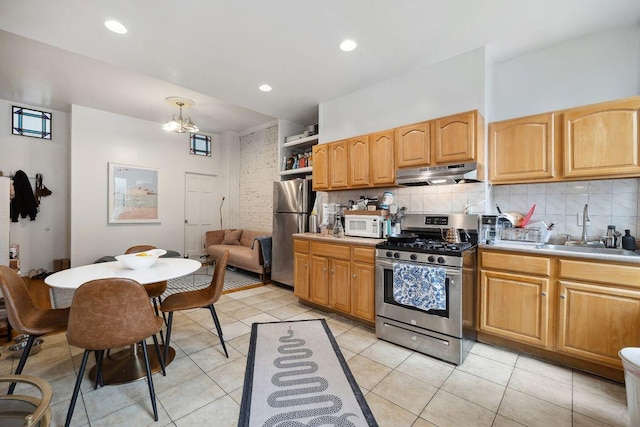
x=180, y=124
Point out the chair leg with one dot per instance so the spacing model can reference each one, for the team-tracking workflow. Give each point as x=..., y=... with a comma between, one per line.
x=159, y=354
x=168, y=340
x=157, y=300
x=218, y=328
x=152, y=392
x=76, y=389
x=23, y=361
x=99, y=379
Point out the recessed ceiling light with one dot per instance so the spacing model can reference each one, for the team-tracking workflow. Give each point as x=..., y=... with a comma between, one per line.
x=348, y=45
x=265, y=87
x=115, y=26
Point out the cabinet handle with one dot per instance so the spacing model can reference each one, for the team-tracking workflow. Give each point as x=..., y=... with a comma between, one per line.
x=332, y=271
x=544, y=294
x=324, y=269
x=355, y=275
x=561, y=296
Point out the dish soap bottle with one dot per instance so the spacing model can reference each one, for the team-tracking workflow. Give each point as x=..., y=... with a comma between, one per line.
x=628, y=241
x=337, y=227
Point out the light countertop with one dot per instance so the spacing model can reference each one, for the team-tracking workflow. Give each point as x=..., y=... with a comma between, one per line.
x=363, y=241
x=532, y=249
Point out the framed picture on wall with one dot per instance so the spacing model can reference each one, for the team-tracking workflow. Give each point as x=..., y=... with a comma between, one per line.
x=133, y=194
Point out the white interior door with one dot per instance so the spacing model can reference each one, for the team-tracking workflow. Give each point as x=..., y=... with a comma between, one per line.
x=201, y=211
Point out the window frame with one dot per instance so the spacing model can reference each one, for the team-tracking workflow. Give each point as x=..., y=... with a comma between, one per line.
x=193, y=137
x=44, y=116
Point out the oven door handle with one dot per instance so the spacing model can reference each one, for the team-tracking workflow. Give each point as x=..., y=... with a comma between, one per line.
x=450, y=272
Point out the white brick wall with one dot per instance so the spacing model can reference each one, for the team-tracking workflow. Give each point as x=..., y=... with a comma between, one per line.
x=258, y=171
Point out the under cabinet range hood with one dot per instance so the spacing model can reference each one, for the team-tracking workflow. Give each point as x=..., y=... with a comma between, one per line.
x=438, y=175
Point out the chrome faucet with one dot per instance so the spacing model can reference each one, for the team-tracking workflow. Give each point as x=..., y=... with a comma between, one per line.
x=585, y=224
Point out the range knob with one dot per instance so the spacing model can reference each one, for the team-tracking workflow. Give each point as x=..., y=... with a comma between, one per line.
x=431, y=258
x=396, y=255
x=440, y=260
x=389, y=254
x=413, y=257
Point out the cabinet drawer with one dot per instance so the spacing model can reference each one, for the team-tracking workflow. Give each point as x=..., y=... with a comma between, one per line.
x=330, y=250
x=624, y=275
x=301, y=246
x=517, y=263
x=364, y=254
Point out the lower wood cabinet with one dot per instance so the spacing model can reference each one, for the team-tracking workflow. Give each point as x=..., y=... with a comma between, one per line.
x=515, y=306
x=599, y=311
x=336, y=276
x=582, y=310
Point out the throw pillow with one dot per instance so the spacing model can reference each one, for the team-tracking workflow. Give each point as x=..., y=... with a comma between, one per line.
x=232, y=237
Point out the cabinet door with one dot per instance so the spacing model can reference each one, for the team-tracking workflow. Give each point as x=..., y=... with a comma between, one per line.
x=320, y=172
x=523, y=150
x=301, y=275
x=598, y=321
x=455, y=138
x=382, y=158
x=358, y=161
x=319, y=285
x=362, y=291
x=602, y=140
x=340, y=285
x=413, y=145
x=515, y=307
x=338, y=161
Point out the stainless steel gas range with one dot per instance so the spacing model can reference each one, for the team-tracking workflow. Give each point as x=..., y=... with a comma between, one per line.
x=426, y=285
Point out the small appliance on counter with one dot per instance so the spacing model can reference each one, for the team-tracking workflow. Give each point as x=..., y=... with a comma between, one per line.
x=363, y=225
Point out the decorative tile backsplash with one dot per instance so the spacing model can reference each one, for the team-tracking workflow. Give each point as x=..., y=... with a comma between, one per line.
x=611, y=201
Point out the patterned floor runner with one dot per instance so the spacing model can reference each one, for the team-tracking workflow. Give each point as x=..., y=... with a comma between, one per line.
x=296, y=375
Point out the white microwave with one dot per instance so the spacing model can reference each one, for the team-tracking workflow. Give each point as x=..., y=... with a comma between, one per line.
x=363, y=226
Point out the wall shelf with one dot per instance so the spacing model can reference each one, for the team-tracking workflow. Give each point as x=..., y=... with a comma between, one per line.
x=298, y=171
x=302, y=142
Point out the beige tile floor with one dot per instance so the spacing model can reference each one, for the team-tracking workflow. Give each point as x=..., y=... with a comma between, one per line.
x=493, y=387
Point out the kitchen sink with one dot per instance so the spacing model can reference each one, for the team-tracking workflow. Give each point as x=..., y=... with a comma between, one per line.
x=589, y=249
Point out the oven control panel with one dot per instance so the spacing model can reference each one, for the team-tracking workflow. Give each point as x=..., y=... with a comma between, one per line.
x=419, y=258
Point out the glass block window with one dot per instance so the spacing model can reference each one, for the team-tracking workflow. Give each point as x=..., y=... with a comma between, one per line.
x=34, y=123
x=200, y=145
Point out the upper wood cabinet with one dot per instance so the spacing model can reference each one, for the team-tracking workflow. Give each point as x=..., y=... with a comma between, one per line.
x=338, y=161
x=594, y=141
x=358, y=154
x=523, y=150
x=602, y=140
x=320, y=172
x=455, y=138
x=382, y=158
x=413, y=145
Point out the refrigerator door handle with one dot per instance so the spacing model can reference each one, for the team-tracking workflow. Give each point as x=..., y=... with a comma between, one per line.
x=301, y=224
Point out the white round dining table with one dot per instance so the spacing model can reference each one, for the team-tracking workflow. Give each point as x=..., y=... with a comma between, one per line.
x=127, y=365
x=163, y=269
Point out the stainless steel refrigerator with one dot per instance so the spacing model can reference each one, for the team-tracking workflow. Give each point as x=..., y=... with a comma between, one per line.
x=292, y=203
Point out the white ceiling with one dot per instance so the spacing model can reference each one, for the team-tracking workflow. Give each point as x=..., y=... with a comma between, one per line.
x=217, y=52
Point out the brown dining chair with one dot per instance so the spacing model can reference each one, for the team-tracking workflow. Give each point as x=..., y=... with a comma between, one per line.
x=26, y=410
x=25, y=317
x=111, y=313
x=200, y=298
x=155, y=290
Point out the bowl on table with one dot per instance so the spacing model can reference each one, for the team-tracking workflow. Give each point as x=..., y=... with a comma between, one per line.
x=17, y=349
x=141, y=260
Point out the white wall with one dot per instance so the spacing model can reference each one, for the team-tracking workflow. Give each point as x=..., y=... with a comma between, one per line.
x=230, y=158
x=97, y=138
x=47, y=238
x=449, y=87
x=591, y=69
